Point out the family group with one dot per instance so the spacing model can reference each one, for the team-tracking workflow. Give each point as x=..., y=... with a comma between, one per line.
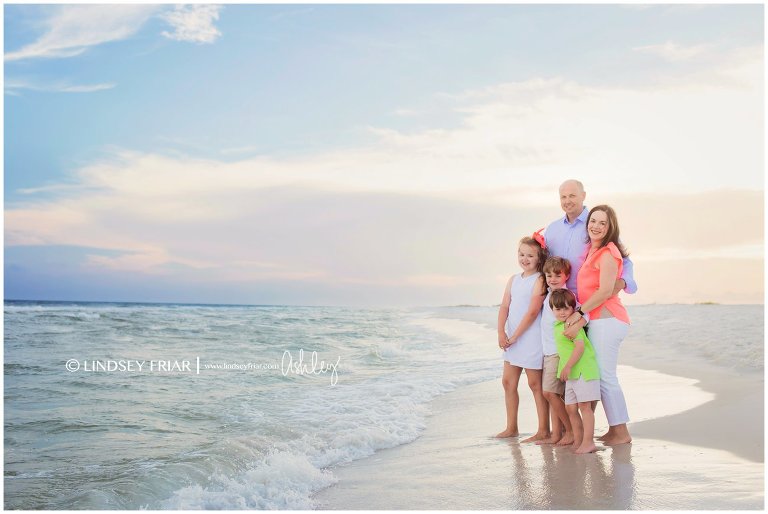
x=561, y=320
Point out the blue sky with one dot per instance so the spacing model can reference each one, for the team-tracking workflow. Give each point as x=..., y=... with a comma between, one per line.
x=365, y=154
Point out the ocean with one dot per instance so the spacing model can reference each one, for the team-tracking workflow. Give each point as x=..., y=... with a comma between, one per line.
x=147, y=406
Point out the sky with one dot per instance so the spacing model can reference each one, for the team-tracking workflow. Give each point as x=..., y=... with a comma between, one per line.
x=374, y=155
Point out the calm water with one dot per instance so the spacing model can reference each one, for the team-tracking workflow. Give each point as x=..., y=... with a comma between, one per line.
x=728, y=336
x=250, y=436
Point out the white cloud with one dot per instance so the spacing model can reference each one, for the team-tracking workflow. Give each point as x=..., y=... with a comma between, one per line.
x=15, y=86
x=754, y=251
x=193, y=23
x=406, y=112
x=249, y=149
x=434, y=280
x=292, y=13
x=72, y=29
x=674, y=52
x=430, y=209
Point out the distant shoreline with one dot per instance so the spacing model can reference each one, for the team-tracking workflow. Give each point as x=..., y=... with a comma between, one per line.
x=203, y=304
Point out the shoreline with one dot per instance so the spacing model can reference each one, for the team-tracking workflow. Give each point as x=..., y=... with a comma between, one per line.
x=737, y=394
x=456, y=463
x=683, y=433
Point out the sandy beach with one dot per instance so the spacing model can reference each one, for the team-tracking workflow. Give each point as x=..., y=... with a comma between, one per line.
x=698, y=444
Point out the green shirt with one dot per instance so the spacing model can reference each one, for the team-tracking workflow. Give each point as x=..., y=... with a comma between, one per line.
x=586, y=366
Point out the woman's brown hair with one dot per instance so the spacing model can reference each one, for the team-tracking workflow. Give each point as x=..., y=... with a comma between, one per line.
x=612, y=235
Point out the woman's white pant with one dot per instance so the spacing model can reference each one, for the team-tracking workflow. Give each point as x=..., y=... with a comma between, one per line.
x=606, y=335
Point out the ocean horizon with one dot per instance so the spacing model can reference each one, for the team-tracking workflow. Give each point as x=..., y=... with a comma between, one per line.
x=215, y=304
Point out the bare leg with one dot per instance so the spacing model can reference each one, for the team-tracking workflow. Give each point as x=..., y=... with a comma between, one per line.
x=559, y=406
x=534, y=382
x=560, y=421
x=587, y=440
x=578, y=428
x=509, y=380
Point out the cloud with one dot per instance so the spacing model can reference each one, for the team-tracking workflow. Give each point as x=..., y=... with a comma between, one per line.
x=434, y=215
x=290, y=13
x=376, y=246
x=201, y=222
x=14, y=87
x=193, y=23
x=674, y=52
x=249, y=149
x=72, y=29
x=406, y=112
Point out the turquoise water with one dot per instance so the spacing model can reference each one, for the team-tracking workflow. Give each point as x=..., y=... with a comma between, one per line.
x=236, y=428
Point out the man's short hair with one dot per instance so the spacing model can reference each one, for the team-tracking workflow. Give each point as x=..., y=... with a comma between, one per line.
x=577, y=182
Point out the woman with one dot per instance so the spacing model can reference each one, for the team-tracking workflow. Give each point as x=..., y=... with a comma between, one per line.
x=609, y=321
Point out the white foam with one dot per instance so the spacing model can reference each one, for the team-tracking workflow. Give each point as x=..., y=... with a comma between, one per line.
x=282, y=481
x=343, y=424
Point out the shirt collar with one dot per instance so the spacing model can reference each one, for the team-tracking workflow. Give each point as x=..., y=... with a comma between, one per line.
x=582, y=217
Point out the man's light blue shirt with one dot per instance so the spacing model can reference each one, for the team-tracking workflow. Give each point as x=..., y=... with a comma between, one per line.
x=569, y=240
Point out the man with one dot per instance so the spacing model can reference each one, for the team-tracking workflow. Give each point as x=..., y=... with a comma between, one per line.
x=567, y=236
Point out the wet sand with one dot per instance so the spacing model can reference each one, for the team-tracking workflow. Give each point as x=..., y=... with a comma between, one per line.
x=698, y=444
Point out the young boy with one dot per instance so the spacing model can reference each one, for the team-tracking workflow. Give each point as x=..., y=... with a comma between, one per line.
x=556, y=271
x=579, y=370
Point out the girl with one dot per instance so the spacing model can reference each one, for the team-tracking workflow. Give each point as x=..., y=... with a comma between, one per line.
x=520, y=336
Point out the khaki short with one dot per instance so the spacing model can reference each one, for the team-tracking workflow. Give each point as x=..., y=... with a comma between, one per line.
x=550, y=383
x=581, y=390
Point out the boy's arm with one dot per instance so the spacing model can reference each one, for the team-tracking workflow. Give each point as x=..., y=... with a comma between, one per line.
x=578, y=351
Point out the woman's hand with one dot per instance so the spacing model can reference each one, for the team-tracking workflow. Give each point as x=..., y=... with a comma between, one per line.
x=573, y=330
x=503, y=341
x=573, y=318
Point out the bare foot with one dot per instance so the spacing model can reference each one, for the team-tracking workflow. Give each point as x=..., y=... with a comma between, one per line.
x=567, y=439
x=613, y=441
x=553, y=439
x=507, y=433
x=586, y=449
x=538, y=436
x=606, y=435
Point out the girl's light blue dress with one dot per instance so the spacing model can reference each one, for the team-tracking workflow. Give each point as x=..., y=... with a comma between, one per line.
x=527, y=351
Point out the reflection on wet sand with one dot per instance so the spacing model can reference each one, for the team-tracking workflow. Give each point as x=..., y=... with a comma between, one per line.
x=563, y=480
x=457, y=464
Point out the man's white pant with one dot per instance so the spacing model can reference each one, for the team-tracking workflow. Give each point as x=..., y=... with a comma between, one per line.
x=606, y=335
